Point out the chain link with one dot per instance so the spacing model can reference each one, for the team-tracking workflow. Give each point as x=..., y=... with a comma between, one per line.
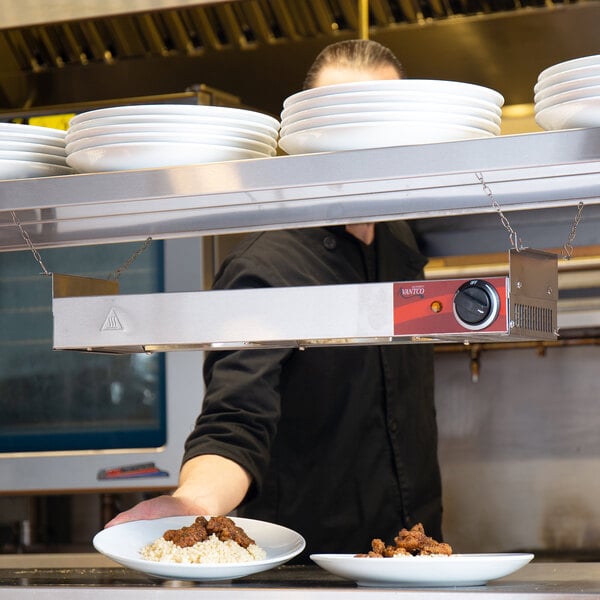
x=512, y=234
x=29, y=243
x=514, y=239
x=114, y=275
x=119, y=270
x=568, y=247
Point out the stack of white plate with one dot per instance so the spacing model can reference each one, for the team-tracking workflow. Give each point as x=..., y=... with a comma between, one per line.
x=567, y=95
x=31, y=151
x=375, y=114
x=166, y=135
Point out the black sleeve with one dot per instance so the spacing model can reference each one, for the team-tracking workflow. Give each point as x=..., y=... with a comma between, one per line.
x=241, y=407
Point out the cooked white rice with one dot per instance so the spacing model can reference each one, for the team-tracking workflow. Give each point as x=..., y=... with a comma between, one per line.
x=212, y=550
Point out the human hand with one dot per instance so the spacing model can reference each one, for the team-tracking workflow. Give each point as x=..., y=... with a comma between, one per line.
x=156, y=508
x=208, y=485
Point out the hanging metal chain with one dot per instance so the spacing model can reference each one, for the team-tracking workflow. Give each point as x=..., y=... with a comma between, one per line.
x=568, y=247
x=29, y=243
x=515, y=241
x=512, y=234
x=114, y=275
x=119, y=270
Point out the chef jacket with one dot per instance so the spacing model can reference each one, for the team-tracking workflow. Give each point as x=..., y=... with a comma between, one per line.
x=340, y=442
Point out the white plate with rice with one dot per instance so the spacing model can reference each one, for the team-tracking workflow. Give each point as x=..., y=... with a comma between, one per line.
x=220, y=560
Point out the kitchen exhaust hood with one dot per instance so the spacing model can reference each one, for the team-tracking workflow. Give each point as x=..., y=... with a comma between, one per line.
x=522, y=306
x=73, y=51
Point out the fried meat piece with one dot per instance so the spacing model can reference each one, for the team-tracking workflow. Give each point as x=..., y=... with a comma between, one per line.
x=408, y=542
x=189, y=535
x=225, y=529
x=201, y=529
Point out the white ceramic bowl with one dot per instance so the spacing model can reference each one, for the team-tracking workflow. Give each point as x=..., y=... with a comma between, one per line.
x=406, y=98
x=567, y=65
x=567, y=86
x=149, y=155
x=172, y=129
x=570, y=115
x=218, y=140
x=390, y=118
x=468, y=90
x=25, y=169
x=590, y=94
x=409, y=107
x=357, y=136
x=183, y=110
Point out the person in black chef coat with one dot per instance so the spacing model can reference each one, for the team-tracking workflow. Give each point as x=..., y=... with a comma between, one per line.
x=337, y=443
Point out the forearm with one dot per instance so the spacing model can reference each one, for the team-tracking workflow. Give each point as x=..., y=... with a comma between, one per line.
x=214, y=483
x=209, y=485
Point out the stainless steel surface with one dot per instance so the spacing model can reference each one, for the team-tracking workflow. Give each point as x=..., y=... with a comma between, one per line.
x=75, y=577
x=23, y=13
x=533, y=294
x=519, y=449
x=95, y=52
x=531, y=171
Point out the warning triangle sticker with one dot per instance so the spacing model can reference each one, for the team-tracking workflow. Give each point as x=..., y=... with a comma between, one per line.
x=112, y=322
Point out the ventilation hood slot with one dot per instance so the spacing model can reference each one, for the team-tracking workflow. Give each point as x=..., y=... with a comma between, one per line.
x=73, y=51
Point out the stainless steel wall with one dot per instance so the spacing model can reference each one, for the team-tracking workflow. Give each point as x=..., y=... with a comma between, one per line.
x=520, y=450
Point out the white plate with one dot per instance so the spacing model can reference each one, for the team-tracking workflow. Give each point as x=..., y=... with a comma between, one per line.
x=186, y=110
x=573, y=75
x=468, y=90
x=359, y=136
x=390, y=117
x=25, y=146
x=570, y=115
x=22, y=169
x=376, y=96
x=567, y=86
x=150, y=119
x=152, y=155
x=422, y=571
x=40, y=157
x=171, y=128
x=584, y=61
x=400, y=106
x=122, y=543
x=32, y=130
x=219, y=140
x=590, y=94
x=20, y=136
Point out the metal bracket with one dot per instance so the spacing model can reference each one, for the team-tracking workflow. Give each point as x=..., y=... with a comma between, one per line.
x=67, y=286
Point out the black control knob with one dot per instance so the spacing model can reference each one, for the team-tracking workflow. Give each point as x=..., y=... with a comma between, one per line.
x=476, y=304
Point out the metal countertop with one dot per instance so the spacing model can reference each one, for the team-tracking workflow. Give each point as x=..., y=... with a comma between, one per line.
x=94, y=576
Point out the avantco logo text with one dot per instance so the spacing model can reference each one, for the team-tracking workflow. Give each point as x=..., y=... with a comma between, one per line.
x=413, y=291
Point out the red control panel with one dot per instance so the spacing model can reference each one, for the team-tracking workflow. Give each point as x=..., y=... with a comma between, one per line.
x=450, y=306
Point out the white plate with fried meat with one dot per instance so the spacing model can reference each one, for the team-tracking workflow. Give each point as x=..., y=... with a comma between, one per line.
x=417, y=560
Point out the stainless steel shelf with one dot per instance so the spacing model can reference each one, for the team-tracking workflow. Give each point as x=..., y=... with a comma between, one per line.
x=547, y=171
